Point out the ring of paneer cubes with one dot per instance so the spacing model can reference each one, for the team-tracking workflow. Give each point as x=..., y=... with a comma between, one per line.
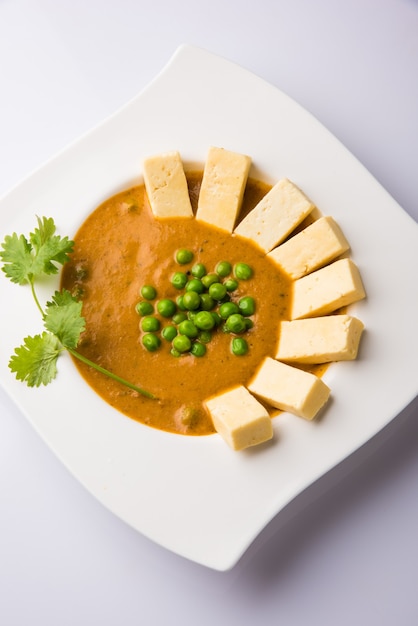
x=323, y=281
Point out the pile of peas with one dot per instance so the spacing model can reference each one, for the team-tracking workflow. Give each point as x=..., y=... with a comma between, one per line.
x=203, y=306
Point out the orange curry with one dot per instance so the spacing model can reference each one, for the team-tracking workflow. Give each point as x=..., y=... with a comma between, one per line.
x=121, y=247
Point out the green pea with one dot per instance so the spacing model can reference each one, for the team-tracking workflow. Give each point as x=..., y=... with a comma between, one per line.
x=180, y=303
x=243, y=271
x=223, y=268
x=198, y=349
x=231, y=284
x=204, y=320
x=179, y=317
x=228, y=308
x=148, y=292
x=175, y=352
x=182, y=343
x=217, y=318
x=207, y=303
x=195, y=285
x=184, y=256
x=151, y=342
x=179, y=280
x=191, y=300
x=248, y=323
x=144, y=308
x=188, y=328
x=236, y=323
x=247, y=305
x=217, y=291
x=169, y=332
x=209, y=279
x=189, y=415
x=198, y=270
x=239, y=346
x=191, y=315
x=166, y=307
x=205, y=336
x=150, y=324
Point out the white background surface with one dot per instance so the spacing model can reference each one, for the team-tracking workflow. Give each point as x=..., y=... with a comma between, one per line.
x=346, y=550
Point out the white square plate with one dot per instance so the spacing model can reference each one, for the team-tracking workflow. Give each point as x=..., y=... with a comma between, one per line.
x=194, y=495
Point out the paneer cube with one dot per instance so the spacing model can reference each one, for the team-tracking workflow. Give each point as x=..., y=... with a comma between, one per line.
x=222, y=190
x=326, y=290
x=276, y=215
x=319, y=339
x=166, y=186
x=239, y=418
x=289, y=389
x=315, y=246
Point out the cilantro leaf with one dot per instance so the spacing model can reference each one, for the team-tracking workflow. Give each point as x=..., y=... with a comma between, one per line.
x=35, y=361
x=17, y=258
x=63, y=318
x=25, y=260
x=48, y=247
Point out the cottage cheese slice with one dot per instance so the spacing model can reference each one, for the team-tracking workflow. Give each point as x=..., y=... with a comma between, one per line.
x=327, y=289
x=319, y=339
x=317, y=244
x=289, y=389
x=166, y=186
x=239, y=418
x=223, y=185
x=276, y=215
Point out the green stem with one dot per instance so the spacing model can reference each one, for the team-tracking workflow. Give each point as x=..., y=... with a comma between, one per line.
x=102, y=370
x=35, y=297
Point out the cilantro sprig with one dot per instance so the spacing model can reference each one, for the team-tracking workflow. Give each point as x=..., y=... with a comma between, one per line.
x=26, y=260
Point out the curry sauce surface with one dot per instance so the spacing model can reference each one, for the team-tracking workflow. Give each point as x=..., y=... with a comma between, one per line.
x=120, y=248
